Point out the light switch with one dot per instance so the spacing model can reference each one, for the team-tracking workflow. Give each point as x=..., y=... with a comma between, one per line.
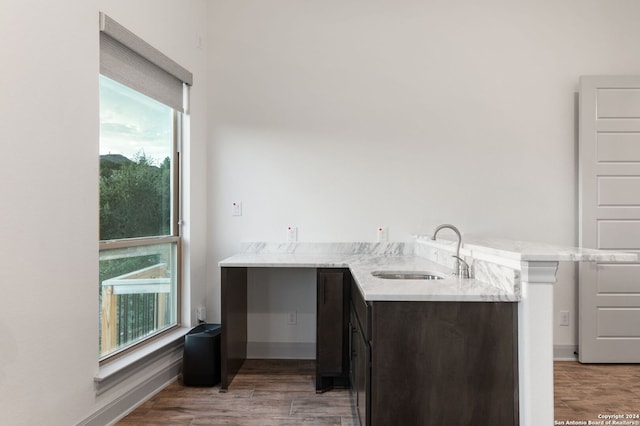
x=381, y=234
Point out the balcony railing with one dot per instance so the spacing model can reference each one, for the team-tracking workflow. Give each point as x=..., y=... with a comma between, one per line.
x=134, y=305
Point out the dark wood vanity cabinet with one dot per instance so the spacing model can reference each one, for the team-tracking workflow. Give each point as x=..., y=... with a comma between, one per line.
x=434, y=363
x=360, y=371
x=332, y=322
x=440, y=363
x=407, y=362
x=332, y=329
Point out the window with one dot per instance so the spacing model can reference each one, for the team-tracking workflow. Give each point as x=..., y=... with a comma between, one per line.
x=141, y=108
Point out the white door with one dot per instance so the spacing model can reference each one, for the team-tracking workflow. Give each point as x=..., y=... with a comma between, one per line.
x=609, y=180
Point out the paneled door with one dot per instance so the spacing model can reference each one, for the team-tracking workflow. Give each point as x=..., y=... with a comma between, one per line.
x=609, y=218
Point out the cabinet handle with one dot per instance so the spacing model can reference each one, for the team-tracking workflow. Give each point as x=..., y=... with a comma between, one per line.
x=322, y=290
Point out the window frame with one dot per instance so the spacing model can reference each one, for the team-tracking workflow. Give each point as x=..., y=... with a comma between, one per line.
x=166, y=67
x=175, y=237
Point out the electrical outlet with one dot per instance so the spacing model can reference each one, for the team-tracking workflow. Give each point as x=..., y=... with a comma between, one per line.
x=292, y=234
x=292, y=318
x=564, y=318
x=236, y=208
x=201, y=313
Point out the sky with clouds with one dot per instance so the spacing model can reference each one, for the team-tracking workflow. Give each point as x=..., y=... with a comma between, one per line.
x=132, y=123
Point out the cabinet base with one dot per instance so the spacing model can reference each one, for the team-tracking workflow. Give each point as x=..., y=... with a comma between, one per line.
x=326, y=383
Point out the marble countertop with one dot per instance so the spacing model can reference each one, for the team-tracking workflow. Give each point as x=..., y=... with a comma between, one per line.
x=535, y=251
x=497, y=261
x=450, y=288
x=287, y=260
x=364, y=258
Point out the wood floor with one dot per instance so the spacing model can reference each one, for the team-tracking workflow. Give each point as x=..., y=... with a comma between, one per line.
x=279, y=392
x=264, y=392
x=583, y=391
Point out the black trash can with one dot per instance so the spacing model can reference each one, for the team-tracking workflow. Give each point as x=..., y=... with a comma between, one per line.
x=201, y=356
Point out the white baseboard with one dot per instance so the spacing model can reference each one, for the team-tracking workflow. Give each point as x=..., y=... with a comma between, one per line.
x=281, y=350
x=135, y=397
x=142, y=378
x=565, y=353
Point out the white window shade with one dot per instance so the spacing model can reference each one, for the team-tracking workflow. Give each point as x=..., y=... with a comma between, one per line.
x=128, y=59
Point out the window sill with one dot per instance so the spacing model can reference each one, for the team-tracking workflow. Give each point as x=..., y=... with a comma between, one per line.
x=116, y=371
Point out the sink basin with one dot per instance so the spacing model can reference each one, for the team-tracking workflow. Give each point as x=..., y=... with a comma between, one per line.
x=411, y=275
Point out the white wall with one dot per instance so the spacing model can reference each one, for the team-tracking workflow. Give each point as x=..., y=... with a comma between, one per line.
x=49, y=116
x=335, y=116
x=48, y=188
x=339, y=116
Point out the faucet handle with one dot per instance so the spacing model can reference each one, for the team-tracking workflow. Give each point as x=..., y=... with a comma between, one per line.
x=463, y=268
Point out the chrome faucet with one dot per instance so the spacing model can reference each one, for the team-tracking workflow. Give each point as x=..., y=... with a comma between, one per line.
x=460, y=267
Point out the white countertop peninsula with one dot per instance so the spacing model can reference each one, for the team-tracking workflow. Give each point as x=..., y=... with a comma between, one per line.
x=326, y=255
x=364, y=258
x=502, y=271
x=495, y=265
x=509, y=251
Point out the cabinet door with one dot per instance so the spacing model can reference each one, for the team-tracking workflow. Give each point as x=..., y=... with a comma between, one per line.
x=444, y=363
x=360, y=365
x=353, y=335
x=332, y=335
x=361, y=373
